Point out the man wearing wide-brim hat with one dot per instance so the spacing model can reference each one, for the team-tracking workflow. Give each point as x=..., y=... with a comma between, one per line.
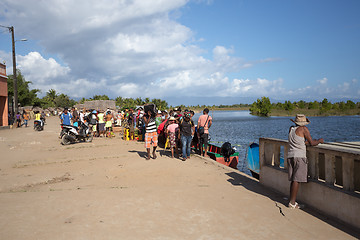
x=299, y=137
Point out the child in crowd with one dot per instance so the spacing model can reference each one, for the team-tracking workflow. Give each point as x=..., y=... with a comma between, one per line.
x=108, y=123
x=170, y=130
x=118, y=118
x=18, y=119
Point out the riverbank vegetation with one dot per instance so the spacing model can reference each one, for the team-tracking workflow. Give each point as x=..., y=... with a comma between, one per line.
x=263, y=107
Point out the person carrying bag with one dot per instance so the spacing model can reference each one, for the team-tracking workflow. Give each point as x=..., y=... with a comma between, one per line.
x=204, y=123
x=201, y=130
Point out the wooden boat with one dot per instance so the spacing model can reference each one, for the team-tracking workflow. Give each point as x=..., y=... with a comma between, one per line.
x=253, y=162
x=214, y=153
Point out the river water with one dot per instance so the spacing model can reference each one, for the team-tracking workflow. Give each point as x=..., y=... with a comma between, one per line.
x=240, y=128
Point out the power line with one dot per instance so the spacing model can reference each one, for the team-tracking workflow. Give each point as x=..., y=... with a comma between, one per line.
x=5, y=27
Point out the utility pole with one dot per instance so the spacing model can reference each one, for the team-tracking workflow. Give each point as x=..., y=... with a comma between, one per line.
x=11, y=29
x=15, y=107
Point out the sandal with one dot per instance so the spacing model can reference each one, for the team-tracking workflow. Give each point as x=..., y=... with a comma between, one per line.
x=295, y=206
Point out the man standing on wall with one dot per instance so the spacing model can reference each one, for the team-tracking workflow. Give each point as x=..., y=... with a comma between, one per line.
x=299, y=137
x=204, y=123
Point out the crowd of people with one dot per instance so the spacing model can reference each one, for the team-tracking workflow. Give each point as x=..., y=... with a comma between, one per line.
x=175, y=128
x=178, y=129
x=23, y=118
x=102, y=121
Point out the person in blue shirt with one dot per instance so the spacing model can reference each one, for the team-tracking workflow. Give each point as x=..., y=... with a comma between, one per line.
x=66, y=117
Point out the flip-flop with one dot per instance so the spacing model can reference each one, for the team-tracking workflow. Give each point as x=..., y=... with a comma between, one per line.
x=295, y=206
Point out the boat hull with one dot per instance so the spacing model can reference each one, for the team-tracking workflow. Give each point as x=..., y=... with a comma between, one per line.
x=214, y=153
x=252, y=158
x=253, y=161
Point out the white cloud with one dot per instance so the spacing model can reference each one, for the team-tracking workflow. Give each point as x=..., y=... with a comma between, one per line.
x=325, y=89
x=40, y=70
x=257, y=87
x=7, y=59
x=132, y=49
x=128, y=44
x=322, y=81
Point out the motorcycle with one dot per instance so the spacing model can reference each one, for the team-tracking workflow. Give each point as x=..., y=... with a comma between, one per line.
x=38, y=125
x=70, y=134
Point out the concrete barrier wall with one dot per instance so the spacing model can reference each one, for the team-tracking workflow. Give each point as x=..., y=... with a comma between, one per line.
x=340, y=202
x=330, y=201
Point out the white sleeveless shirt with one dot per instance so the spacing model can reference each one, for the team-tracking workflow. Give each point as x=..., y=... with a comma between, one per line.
x=297, y=144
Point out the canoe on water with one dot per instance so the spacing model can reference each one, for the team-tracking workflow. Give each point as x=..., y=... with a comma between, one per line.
x=214, y=153
x=253, y=162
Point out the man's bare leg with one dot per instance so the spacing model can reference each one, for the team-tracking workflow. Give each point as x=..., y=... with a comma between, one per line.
x=148, y=153
x=294, y=188
x=154, y=154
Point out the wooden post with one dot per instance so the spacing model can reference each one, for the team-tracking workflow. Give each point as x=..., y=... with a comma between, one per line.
x=329, y=169
x=348, y=173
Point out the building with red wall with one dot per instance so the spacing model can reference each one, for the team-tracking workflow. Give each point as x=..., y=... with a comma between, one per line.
x=3, y=96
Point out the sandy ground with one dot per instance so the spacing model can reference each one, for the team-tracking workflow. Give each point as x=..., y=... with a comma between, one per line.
x=107, y=190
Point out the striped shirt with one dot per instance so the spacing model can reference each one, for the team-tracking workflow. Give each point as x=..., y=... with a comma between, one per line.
x=151, y=126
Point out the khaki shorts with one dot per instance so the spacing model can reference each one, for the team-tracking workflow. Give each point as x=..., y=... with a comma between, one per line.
x=297, y=169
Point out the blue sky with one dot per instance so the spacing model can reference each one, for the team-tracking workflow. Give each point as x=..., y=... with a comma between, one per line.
x=310, y=39
x=190, y=52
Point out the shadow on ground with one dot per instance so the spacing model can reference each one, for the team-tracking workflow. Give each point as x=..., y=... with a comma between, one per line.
x=161, y=152
x=280, y=201
x=141, y=154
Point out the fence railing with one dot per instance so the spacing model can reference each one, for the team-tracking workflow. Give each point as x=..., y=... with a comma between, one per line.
x=330, y=165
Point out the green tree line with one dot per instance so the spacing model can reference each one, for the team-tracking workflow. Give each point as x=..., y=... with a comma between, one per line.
x=263, y=107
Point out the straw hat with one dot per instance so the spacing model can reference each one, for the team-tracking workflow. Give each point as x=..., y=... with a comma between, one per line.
x=172, y=119
x=300, y=120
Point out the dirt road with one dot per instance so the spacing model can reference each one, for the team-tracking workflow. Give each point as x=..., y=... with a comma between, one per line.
x=107, y=190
